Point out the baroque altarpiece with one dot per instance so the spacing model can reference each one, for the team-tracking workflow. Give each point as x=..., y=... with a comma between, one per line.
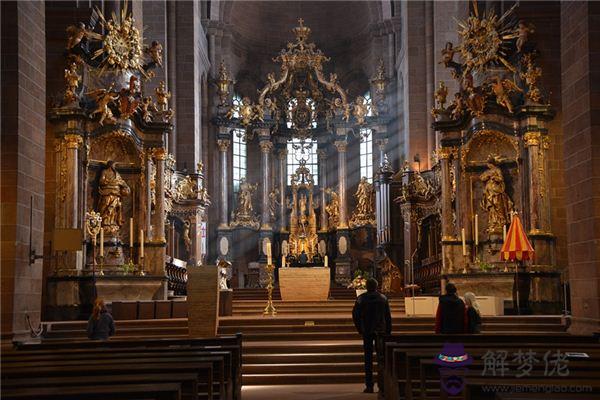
x=301, y=218
x=115, y=181
x=491, y=162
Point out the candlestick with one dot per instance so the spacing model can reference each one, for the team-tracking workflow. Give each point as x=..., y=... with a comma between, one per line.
x=283, y=261
x=464, y=242
x=326, y=261
x=476, y=230
x=101, y=242
x=131, y=232
x=504, y=233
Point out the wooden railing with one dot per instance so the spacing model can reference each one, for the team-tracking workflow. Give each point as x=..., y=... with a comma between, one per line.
x=177, y=276
x=427, y=275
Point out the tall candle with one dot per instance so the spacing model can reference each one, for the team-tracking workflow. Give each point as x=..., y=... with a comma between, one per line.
x=464, y=242
x=101, y=242
x=141, y=243
x=326, y=261
x=130, y=232
x=283, y=261
x=504, y=233
x=269, y=259
x=476, y=230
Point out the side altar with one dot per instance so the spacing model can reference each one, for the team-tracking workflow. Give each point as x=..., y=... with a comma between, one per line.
x=115, y=181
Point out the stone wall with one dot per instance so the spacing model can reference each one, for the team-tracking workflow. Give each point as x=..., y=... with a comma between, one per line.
x=23, y=145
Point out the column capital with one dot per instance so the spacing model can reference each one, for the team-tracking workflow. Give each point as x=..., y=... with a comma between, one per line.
x=444, y=153
x=381, y=143
x=341, y=145
x=223, y=144
x=322, y=154
x=73, y=141
x=265, y=146
x=159, y=153
x=532, y=138
x=282, y=153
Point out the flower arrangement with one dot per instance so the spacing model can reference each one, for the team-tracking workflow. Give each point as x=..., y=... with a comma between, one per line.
x=359, y=282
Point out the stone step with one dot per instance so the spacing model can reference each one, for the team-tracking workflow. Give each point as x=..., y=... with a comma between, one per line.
x=288, y=358
x=302, y=379
x=303, y=368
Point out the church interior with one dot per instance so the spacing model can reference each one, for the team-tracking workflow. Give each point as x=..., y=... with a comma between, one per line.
x=228, y=176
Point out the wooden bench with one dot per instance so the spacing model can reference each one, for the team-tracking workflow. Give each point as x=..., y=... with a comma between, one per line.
x=222, y=355
x=395, y=366
x=165, y=391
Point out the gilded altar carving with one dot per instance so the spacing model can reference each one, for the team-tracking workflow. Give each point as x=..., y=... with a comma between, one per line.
x=303, y=220
x=223, y=144
x=273, y=203
x=333, y=208
x=72, y=79
x=243, y=215
x=162, y=102
x=111, y=189
x=476, y=151
x=364, y=213
x=104, y=98
x=495, y=200
x=187, y=240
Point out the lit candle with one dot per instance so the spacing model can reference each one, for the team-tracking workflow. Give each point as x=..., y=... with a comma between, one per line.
x=101, y=242
x=326, y=261
x=269, y=259
x=141, y=243
x=504, y=233
x=283, y=261
x=130, y=232
x=476, y=230
x=464, y=242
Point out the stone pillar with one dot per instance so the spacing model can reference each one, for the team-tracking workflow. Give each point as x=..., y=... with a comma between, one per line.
x=323, y=178
x=158, y=219
x=71, y=171
x=537, y=145
x=341, y=146
x=266, y=147
x=23, y=149
x=282, y=155
x=581, y=128
x=444, y=155
x=224, y=164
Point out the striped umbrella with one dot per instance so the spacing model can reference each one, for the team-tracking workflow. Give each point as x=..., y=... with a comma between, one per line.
x=516, y=246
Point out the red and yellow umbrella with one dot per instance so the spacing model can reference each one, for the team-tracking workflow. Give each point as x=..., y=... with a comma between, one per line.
x=516, y=245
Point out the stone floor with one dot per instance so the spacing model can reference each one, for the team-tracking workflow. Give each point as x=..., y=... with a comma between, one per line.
x=306, y=392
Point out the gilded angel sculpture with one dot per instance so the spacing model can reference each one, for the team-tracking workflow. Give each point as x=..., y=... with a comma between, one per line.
x=333, y=208
x=103, y=98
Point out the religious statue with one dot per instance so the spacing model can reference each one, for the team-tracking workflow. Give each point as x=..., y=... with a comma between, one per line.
x=187, y=240
x=72, y=82
x=440, y=95
x=244, y=212
x=495, y=200
x=502, y=89
x=363, y=213
x=223, y=266
x=333, y=208
x=103, y=99
x=145, y=109
x=76, y=33
x=531, y=75
x=273, y=203
x=155, y=52
x=129, y=98
x=111, y=188
x=523, y=30
x=361, y=110
x=162, y=97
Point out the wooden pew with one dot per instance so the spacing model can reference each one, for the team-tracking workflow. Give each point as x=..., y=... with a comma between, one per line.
x=165, y=391
x=232, y=343
x=390, y=366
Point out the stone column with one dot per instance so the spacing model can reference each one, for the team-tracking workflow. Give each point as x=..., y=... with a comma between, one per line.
x=71, y=170
x=323, y=178
x=282, y=155
x=537, y=144
x=224, y=164
x=158, y=219
x=444, y=155
x=266, y=147
x=341, y=146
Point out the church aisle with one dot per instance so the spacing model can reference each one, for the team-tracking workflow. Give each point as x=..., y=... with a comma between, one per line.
x=306, y=392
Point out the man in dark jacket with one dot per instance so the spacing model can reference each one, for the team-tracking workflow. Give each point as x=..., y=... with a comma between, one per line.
x=451, y=316
x=372, y=316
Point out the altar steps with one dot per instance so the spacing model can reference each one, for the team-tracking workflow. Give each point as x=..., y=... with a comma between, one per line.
x=335, y=293
x=254, y=307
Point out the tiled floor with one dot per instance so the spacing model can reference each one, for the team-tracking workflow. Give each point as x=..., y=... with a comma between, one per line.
x=307, y=392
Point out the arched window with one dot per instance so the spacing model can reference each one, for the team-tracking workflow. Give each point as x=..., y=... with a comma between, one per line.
x=366, y=145
x=302, y=150
x=240, y=160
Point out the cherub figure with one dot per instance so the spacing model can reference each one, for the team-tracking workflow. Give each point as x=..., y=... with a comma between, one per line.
x=155, y=52
x=103, y=98
x=361, y=110
x=458, y=106
x=76, y=33
x=145, y=107
x=440, y=95
x=448, y=54
x=502, y=90
x=523, y=31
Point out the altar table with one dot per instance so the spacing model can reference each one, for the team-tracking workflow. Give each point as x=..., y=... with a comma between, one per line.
x=304, y=284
